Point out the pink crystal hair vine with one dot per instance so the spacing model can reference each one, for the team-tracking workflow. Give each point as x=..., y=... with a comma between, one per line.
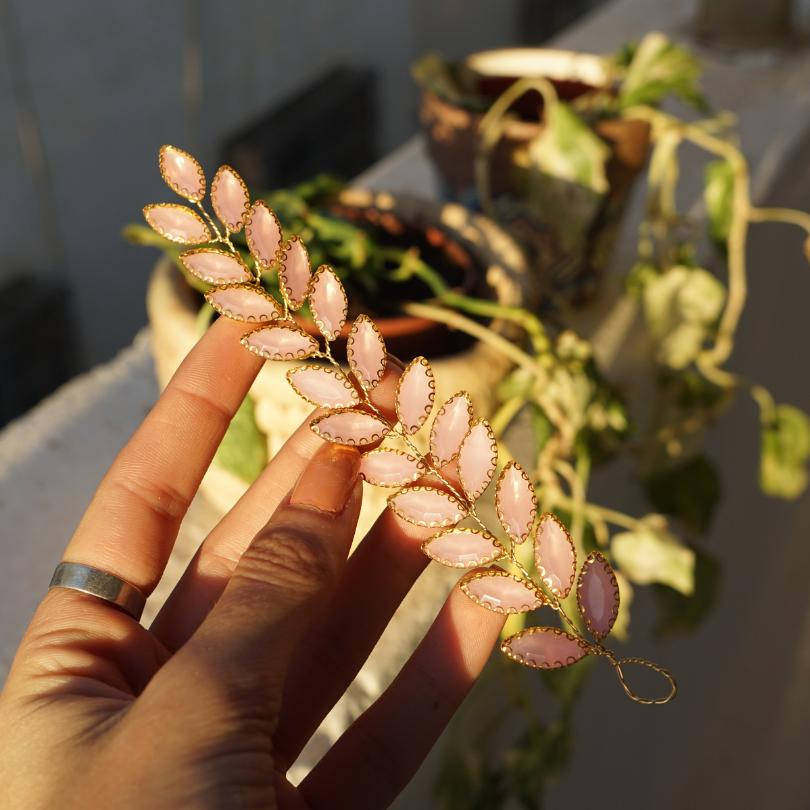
x=438, y=489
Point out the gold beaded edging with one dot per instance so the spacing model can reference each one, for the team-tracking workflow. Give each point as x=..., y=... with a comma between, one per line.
x=289, y=326
x=350, y=353
x=338, y=375
x=509, y=653
x=430, y=524
x=187, y=194
x=468, y=400
x=147, y=210
x=475, y=494
x=593, y=558
x=199, y=251
x=422, y=361
x=375, y=437
x=326, y=270
x=497, y=551
x=253, y=289
x=541, y=569
x=421, y=469
x=233, y=227
x=523, y=537
x=491, y=573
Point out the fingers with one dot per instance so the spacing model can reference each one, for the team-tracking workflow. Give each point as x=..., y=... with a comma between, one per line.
x=377, y=577
x=209, y=571
x=291, y=565
x=376, y=757
x=132, y=521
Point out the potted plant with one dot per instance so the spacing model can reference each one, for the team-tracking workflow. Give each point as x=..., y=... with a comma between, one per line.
x=537, y=139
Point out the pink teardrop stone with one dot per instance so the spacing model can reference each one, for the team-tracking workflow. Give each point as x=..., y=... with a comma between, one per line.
x=516, y=502
x=280, y=343
x=295, y=273
x=328, y=302
x=178, y=223
x=243, y=303
x=263, y=233
x=598, y=595
x=451, y=426
x=215, y=267
x=554, y=556
x=427, y=507
x=415, y=394
x=230, y=198
x=350, y=427
x=389, y=468
x=544, y=648
x=502, y=593
x=366, y=352
x=477, y=459
x=325, y=387
x=182, y=173
x=462, y=548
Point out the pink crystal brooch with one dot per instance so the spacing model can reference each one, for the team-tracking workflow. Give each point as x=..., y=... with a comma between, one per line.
x=440, y=488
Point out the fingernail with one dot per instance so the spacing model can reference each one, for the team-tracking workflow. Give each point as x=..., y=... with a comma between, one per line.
x=328, y=479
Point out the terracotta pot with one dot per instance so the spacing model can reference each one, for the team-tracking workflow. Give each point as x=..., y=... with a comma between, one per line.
x=452, y=132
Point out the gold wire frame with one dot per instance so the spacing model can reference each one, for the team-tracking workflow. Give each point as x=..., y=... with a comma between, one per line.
x=253, y=289
x=509, y=653
x=430, y=524
x=410, y=429
x=497, y=551
x=280, y=324
x=498, y=498
x=316, y=426
x=282, y=255
x=421, y=469
x=336, y=373
x=322, y=271
x=233, y=227
x=201, y=251
x=597, y=558
x=473, y=495
x=492, y=573
x=465, y=396
x=147, y=211
x=366, y=385
x=262, y=262
x=541, y=569
x=187, y=194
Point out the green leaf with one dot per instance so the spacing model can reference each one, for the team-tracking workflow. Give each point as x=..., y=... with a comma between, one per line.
x=565, y=176
x=676, y=613
x=785, y=450
x=652, y=554
x=243, y=450
x=680, y=308
x=689, y=492
x=718, y=194
x=659, y=68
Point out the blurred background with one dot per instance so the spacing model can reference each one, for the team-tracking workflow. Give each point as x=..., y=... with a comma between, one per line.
x=284, y=91
x=89, y=91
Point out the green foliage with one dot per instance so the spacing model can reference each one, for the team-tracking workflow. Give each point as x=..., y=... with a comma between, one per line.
x=652, y=554
x=689, y=491
x=677, y=613
x=681, y=307
x=718, y=194
x=243, y=450
x=785, y=451
x=660, y=68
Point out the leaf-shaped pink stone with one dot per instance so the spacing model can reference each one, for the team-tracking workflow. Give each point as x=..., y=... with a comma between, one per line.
x=215, y=266
x=502, y=592
x=230, y=198
x=477, y=459
x=294, y=272
x=426, y=506
x=177, y=223
x=390, y=468
x=350, y=427
x=515, y=501
x=280, y=342
x=451, y=425
x=263, y=233
x=416, y=390
x=462, y=548
x=598, y=595
x=328, y=302
x=554, y=556
x=544, y=648
x=365, y=349
x=182, y=173
x=324, y=386
x=243, y=302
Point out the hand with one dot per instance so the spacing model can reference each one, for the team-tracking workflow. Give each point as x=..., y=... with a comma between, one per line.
x=264, y=632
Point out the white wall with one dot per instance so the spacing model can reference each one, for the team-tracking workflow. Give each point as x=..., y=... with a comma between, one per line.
x=99, y=86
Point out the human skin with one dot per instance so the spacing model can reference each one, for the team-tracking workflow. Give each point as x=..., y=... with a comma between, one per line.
x=266, y=629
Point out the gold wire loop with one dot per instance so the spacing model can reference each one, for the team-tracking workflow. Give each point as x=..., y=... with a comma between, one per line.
x=673, y=686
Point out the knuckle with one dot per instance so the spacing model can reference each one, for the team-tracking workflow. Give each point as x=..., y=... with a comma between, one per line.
x=289, y=556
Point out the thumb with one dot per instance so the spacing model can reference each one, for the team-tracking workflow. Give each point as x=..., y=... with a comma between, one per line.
x=287, y=571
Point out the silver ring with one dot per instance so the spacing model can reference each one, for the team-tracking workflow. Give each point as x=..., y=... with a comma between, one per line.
x=84, y=578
